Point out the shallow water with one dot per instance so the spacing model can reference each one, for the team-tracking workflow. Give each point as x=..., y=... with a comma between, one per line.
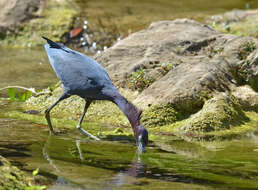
x=133, y=15
x=72, y=161
x=25, y=67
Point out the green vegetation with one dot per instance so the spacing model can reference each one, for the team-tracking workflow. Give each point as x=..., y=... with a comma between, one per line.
x=219, y=113
x=56, y=20
x=214, y=50
x=18, y=96
x=245, y=27
x=246, y=49
x=159, y=115
x=33, y=186
x=139, y=80
x=241, y=71
x=220, y=117
x=166, y=67
x=11, y=178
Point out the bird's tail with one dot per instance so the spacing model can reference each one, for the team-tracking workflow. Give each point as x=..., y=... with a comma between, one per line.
x=52, y=44
x=55, y=45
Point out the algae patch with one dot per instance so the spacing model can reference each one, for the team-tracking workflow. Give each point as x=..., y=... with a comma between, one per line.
x=11, y=177
x=71, y=108
x=56, y=20
x=221, y=116
x=159, y=115
x=217, y=114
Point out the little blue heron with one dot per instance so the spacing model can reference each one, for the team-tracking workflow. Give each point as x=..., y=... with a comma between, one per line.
x=80, y=75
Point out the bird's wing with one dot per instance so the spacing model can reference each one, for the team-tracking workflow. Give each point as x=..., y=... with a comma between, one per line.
x=76, y=70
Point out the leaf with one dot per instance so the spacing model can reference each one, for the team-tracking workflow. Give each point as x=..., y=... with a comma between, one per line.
x=27, y=95
x=36, y=187
x=23, y=98
x=19, y=96
x=11, y=94
x=35, y=172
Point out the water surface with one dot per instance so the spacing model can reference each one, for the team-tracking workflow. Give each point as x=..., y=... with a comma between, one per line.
x=71, y=161
x=25, y=67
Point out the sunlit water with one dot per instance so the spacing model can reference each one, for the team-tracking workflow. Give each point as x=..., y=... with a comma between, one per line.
x=72, y=161
x=25, y=67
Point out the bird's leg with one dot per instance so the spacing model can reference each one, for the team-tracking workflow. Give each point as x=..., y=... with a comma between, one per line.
x=88, y=102
x=78, y=145
x=47, y=111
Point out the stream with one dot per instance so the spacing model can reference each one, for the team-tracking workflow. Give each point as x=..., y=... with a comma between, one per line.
x=70, y=161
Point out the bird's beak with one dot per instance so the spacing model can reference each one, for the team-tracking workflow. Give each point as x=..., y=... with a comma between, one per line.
x=141, y=145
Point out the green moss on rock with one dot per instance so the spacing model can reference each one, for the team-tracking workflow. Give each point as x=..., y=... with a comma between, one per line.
x=159, y=115
x=219, y=113
x=56, y=20
x=71, y=108
x=11, y=178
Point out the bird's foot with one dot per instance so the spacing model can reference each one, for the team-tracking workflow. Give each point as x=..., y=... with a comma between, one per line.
x=52, y=133
x=88, y=134
x=56, y=132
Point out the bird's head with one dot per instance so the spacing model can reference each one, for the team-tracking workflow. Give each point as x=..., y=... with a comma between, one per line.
x=142, y=138
x=134, y=117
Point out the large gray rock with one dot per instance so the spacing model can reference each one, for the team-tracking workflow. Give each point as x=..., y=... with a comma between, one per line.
x=15, y=12
x=201, y=62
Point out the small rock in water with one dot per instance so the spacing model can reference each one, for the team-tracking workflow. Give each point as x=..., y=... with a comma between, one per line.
x=34, y=112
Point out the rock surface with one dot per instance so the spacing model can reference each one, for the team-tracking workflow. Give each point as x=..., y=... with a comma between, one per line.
x=202, y=61
x=15, y=12
x=247, y=97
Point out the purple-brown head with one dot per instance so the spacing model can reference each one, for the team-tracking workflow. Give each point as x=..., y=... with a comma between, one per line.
x=133, y=115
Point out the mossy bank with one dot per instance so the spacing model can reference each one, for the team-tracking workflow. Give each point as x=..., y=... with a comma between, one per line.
x=220, y=118
x=11, y=178
x=55, y=19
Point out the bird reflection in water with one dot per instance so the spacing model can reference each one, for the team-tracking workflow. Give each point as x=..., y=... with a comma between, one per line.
x=60, y=183
x=136, y=169
x=129, y=176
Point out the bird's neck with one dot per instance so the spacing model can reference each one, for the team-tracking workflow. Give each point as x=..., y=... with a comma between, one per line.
x=131, y=111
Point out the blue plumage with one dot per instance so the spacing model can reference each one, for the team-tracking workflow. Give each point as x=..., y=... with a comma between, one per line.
x=79, y=74
x=83, y=76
